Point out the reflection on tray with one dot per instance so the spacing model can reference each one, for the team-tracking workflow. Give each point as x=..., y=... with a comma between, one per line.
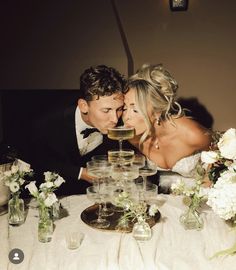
x=90, y=214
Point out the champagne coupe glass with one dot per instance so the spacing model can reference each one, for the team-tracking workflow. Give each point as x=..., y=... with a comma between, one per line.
x=99, y=169
x=124, y=156
x=120, y=133
x=106, y=188
x=148, y=170
x=106, y=192
x=124, y=174
x=139, y=160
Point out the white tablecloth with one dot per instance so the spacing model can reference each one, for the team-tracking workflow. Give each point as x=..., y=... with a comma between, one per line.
x=171, y=247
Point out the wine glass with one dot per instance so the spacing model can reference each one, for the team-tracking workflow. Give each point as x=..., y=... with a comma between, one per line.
x=147, y=170
x=120, y=133
x=99, y=169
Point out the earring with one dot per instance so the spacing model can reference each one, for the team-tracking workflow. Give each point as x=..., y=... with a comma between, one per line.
x=158, y=120
x=156, y=144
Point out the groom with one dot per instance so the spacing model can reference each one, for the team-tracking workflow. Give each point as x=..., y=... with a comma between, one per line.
x=67, y=139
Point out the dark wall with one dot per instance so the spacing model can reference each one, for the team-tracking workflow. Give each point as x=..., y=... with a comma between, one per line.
x=21, y=107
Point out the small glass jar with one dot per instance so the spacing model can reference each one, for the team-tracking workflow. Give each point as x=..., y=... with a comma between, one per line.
x=16, y=210
x=191, y=219
x=45, y=224
x=56, y=207
x=141, y=230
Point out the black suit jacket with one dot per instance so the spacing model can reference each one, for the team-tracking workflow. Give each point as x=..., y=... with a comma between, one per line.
x=54, y=147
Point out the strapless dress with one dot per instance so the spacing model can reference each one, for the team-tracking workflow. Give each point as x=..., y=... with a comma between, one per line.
x=183, y=169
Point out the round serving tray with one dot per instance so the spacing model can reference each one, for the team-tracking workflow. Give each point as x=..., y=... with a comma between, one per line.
x=90, y=214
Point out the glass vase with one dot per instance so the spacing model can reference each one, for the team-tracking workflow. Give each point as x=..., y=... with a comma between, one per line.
x=56, y=210
x=141, y=230
x=45, y=225
x=191, y=219
x=16, y=210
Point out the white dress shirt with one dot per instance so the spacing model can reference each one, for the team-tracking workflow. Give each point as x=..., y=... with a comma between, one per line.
x=85, y=145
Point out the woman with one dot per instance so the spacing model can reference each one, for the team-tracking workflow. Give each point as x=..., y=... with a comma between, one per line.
x=163, y=133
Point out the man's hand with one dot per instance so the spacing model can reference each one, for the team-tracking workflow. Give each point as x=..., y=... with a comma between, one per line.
x=86, y=176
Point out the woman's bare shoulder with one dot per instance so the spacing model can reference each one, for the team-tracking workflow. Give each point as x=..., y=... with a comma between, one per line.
x=194, y=134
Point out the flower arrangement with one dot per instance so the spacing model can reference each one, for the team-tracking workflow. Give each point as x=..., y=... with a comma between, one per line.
x=221, y=155
x=46, y=199
x=221, y=161
x=45, y=195
x=15, y=177
x=134, y=210
x=195, y=194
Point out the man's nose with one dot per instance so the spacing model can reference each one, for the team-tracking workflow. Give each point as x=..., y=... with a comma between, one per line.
x=114, y=117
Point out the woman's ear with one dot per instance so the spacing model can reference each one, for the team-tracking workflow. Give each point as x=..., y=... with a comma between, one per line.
x=83, y=106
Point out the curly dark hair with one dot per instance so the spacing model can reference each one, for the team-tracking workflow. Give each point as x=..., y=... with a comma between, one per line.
x=100, y=81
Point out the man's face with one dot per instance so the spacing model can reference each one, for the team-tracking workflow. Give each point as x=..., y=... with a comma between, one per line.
x=103, y=113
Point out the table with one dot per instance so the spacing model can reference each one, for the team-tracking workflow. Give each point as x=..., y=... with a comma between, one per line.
x=171, y=246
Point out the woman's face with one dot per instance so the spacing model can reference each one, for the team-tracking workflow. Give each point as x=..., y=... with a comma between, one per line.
x=131, y=115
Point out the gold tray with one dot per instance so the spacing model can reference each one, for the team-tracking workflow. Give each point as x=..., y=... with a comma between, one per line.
x=90, y=214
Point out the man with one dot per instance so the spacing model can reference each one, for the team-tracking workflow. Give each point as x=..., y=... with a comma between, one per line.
x=63, y=142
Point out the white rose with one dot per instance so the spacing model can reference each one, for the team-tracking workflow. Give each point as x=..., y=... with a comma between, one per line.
x=209, y=157
x=227, y=144
x=14, y=187
x=59, y=181
x=32, y=188
x=50, y=200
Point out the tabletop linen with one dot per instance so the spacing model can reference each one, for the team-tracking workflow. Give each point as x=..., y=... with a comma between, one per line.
x=170, y=248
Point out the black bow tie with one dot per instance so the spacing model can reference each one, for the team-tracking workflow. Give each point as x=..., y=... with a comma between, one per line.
x=88, y=131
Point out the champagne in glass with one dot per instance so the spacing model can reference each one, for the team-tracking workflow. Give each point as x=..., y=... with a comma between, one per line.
x=124, y=156
x=120, y=133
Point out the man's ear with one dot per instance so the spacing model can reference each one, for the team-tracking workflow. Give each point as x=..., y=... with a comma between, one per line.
x=83, y=106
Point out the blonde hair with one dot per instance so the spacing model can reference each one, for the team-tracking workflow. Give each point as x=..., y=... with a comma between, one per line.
x=155, y=88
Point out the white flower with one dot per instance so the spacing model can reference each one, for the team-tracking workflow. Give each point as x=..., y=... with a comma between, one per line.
x=14, y=187
x=59, y=181
x=222, y=197
x=48, y=176
x=7, y=173
x=46, y=185
x=23, y=166
x=153, y=210
x=209, y=157
x=50, y=200
x=32, y=188
x=14, y=169
x=21, y=181
x=227, y=144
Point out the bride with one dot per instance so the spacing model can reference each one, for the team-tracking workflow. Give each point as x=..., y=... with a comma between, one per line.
x=162, y=132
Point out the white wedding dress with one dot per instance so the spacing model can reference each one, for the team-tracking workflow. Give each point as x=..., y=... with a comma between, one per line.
x=183, y=169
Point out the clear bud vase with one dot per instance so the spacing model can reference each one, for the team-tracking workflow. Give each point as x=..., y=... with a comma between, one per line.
x=56, y=210
x=191, y=219
x=16, y=210
x=45, y=225
x=141, y=230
